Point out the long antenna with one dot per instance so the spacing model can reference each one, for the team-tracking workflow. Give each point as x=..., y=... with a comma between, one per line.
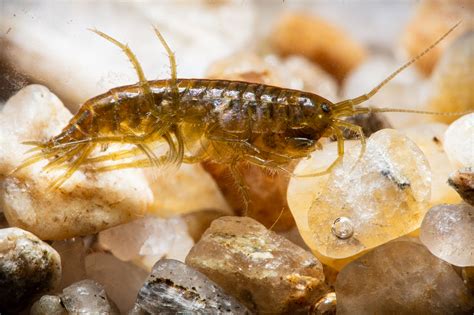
x=365, y=97
x=367, y=110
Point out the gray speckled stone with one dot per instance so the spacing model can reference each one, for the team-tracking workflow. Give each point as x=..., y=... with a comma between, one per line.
x=28, y=266
x=174, y=287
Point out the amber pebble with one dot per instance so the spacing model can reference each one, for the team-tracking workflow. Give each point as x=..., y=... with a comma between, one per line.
x=432, y=19
x=364, y=202
x=302, y=191
x=319, y=41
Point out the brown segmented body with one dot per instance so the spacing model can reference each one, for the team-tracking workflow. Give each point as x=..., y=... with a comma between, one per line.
x=267, y=117
x=224, y=121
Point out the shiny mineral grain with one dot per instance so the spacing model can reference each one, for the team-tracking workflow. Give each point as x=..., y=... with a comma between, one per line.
x=265, y=271
x=401, y=277
x=174, y=288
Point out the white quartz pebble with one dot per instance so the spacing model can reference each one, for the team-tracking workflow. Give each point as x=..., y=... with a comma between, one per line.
x=86, y=203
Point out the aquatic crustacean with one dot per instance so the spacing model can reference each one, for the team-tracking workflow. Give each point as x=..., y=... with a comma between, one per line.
x=218, y=120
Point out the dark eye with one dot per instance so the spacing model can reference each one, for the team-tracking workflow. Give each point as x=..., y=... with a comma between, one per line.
x=325, y=108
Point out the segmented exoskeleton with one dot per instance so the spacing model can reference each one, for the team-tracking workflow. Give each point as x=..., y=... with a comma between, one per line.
x=219, y=120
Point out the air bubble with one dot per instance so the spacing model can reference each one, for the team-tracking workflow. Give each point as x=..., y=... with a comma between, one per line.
x=342, y=228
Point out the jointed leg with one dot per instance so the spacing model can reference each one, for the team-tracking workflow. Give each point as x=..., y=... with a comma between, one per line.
x=62, y=158
x=266, y=163
x=340, y=155
x=359, y=131
x=241, y=185
x=75, y=165
x=142, y=163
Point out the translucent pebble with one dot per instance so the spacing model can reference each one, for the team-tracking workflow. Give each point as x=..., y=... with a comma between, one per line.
x=459, y=141
x=448, y=232
x=452, y=79
x=382, y=196
x=87, y=297
x=429, y=137
x=401, y=277
x=174, y=288
x=302, y=191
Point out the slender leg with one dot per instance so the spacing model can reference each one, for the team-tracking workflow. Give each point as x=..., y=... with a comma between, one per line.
x=266, y=163
x=142, y=163
x=75, y=165
x=62, y=158
x=32, y=160
x=241, y=185
x=359, y=131
x=340, y=155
